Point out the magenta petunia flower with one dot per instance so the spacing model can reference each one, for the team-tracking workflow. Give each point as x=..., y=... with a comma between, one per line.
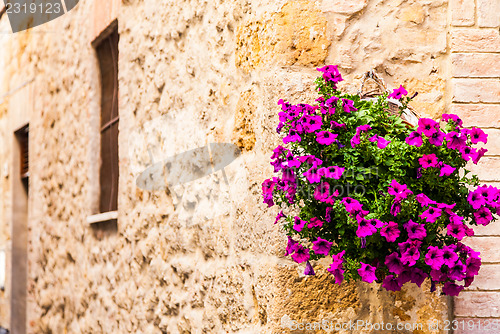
x=312, y=123
x=428, y=160
x=476, y=200
x=434, y=257
x=367, y=273
x=449, y=255
x=483, y=216
x=293, y=136
x=457, y=271
x=332, y=102
x=290, y=247
x=437, y=138
x=410, y=252
x=315, y=222
x=381, y=141
x=325, y=137
x=453, y=118
x=431, y=214
x=311, y=160
x=455, y=140
x=291, y=161
x=398, y=93
x=301, y=254
x=400, y=191
x=332, y=172
x=415, y=139
x=309, y=269
x=331, y=74
x=479, y=154
x=334, y=124
x=390, y=231
x=417, y=276
x=456, y=230
x=355, y=140
x=394, y=264
x=348, y=105
x=312, y=175
x=452, y=289
x=391, y=283
x=437, y=275
x=328, y=213
x=446, y=170
x=427, y=126
x=365, y=228
x=279, y=216
x=322, y=191
x=322, y=246
x=336, y=268
x=477, y=135
x=415, y=230
x=473, y=265
x=424, y=200
x=468, y=153
x=299, y=224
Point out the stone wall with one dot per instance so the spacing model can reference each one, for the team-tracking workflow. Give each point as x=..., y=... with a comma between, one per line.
x=204, y=257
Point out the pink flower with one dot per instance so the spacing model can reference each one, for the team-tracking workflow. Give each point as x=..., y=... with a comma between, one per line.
x=398, y=93
x=424, y=200
x=427, y=126
x=290, y=247
x=468, y=153
x=322, y=191
x=431, y=214
x=315, y=222
x=453, y=118
x=301, y=254
x=322, y=246
x=332, y=172
x=390, y=283
x=400, y=191
x=415, y=230
x=312, y=175
x=309, y=269
x=325, y=137
x=436, y=138
x=479, y=154
x=367, y=273
x=299, y=224
x=394, y=264
x=434, y=257
x=452, y=289
x=365, y=228
x=456, y=230
x=279, y=216
x=381, y=141
x=476, y=200
x=390, y=231
x=446, y=170
x=415, y=139
x=348, y=105
x=477, y=135
x=455, y=140
x=483, y=216
x=428, y=160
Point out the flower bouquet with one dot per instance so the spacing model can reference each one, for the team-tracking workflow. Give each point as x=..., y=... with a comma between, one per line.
x=386, y=201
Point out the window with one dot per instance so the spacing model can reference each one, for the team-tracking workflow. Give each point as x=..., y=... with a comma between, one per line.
x=107, y=53
x=22, y=136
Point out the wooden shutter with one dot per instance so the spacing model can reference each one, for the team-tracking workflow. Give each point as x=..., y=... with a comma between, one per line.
x=107, y=52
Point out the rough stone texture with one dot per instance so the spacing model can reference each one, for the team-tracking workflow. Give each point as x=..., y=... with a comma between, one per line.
x=480, y=65
x=475, y=40
x=203, y=257
x=478, y=304
x=488, y=278
x=476, y=326
x=487, y=13
x=478, y=115
x=462, y=12
x=476, y=90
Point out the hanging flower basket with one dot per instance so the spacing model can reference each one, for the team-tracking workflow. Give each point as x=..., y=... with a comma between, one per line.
x=382, y=193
